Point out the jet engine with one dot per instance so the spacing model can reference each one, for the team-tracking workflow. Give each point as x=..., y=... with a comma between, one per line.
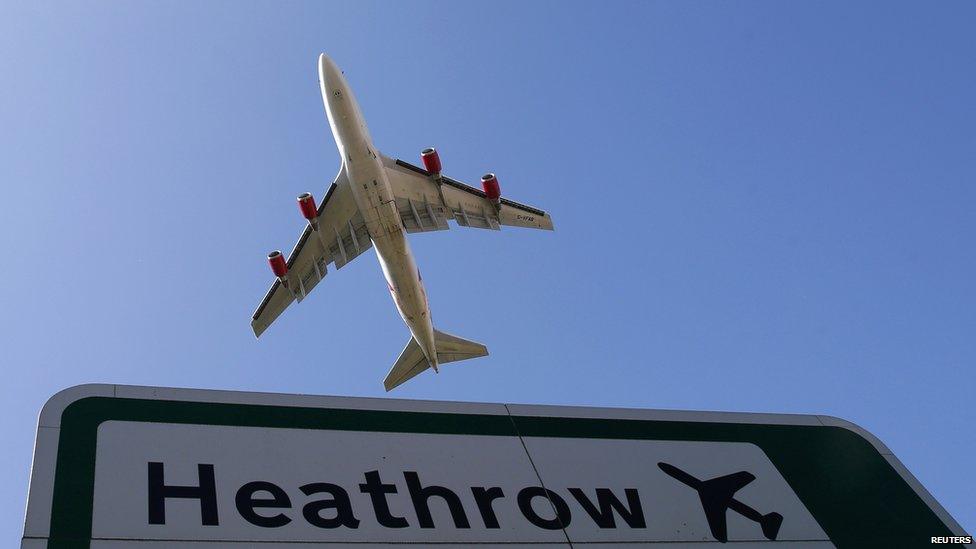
x=306, y=203
x=489, y=183
x=278, y=265
x=432, y=161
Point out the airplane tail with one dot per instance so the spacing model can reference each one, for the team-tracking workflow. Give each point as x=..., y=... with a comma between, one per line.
x=412, y=361
x=770, y=524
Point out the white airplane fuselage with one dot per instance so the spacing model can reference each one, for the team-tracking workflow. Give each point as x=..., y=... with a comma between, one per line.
x=371, y=189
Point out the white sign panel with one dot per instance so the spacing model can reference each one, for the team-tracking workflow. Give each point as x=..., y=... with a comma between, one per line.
x=128, y=466
x=303, y=485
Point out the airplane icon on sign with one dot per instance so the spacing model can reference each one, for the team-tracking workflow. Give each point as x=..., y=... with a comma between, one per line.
x=716, y=497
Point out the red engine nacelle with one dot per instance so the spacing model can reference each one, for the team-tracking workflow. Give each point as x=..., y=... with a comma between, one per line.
x=490, y=185
x=432, y=161
x=306, y=203
x=278, y=265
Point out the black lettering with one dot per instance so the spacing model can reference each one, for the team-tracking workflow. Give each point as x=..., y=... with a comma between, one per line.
x=563, y=516
x=206, y=492
x=420, y=496
x=246, y=503
x=377, y=493
x=632, y=514
x=484, y=497
x=340, y=502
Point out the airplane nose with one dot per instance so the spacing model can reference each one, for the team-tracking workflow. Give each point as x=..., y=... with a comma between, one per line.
x=327, y=68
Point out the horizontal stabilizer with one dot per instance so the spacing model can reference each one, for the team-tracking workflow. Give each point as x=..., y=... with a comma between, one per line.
x=412, y=361
x=451, y=348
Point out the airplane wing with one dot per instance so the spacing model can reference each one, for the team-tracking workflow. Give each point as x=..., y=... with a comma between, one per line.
x=425, y=205
x=340, y=237
x=716, y=496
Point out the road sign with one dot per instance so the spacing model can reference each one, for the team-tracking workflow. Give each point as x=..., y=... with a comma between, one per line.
x=121, y=466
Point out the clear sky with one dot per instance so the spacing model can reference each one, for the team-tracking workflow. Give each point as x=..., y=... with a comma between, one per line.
x=759, y=206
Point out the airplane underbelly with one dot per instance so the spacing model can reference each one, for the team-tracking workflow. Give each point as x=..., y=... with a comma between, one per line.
x=371, y=189
x=401, y=272
x=373, y=195
x=406, y=288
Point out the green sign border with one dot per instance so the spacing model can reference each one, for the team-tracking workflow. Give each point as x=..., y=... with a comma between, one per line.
x=849, y=487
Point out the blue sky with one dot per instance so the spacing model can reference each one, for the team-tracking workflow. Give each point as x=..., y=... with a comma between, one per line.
x=759, y=206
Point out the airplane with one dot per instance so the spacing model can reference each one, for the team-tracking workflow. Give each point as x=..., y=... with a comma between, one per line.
x=375, y=201
x=716, y=498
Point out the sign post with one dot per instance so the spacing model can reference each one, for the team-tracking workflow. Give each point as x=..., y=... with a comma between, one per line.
x=121, y=466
